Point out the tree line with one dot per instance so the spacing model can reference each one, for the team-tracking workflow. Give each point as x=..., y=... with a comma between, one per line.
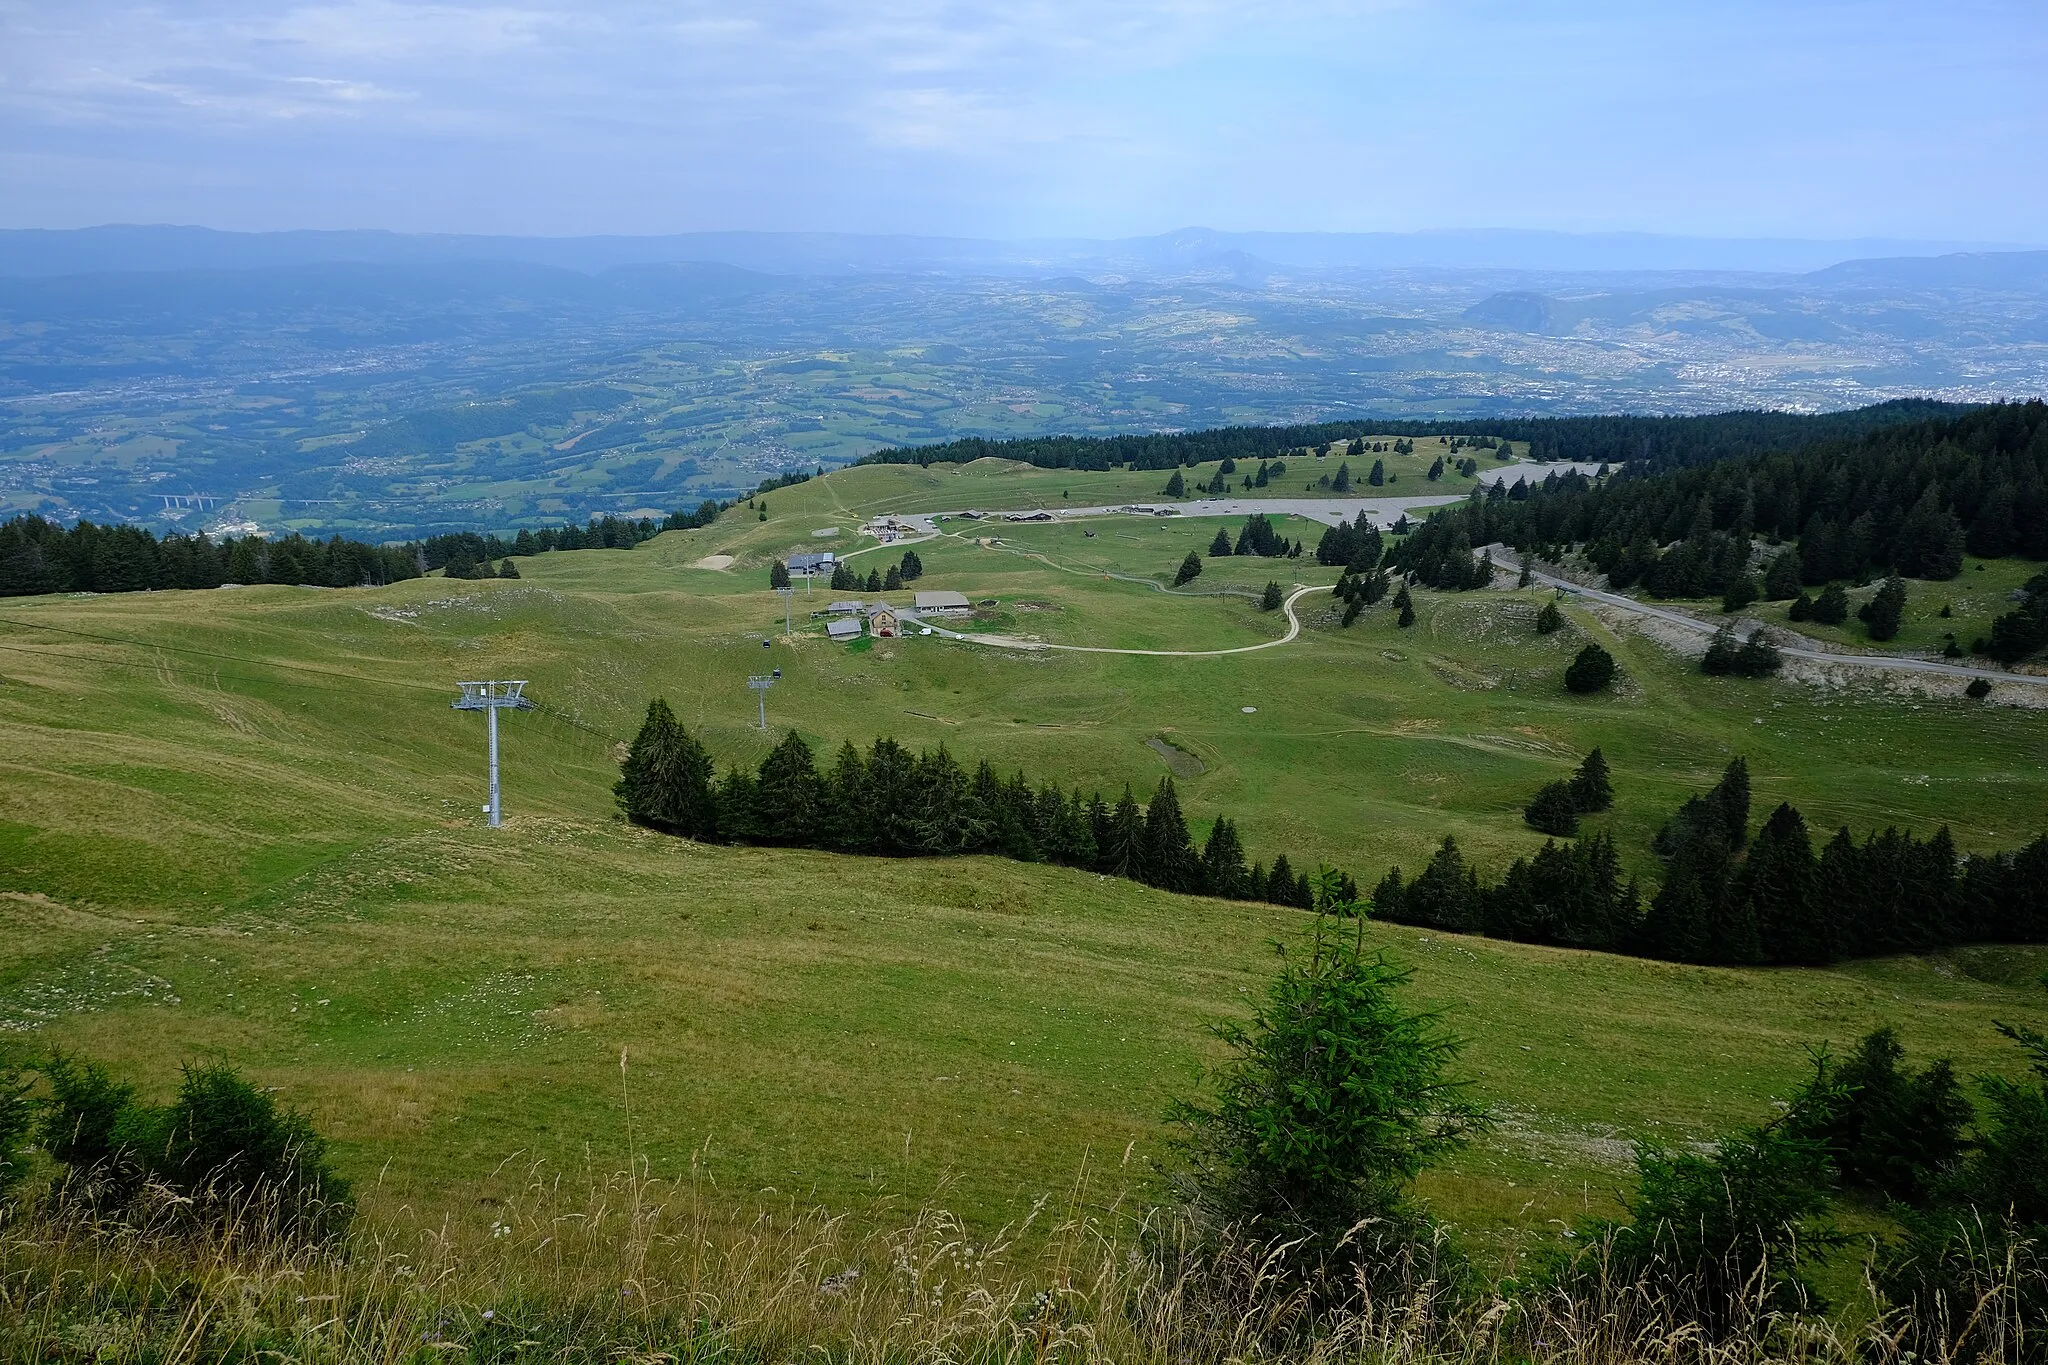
x=600, y=533
x=1659, y=442
x=1729, y=897
x=1904, y=501
x=39, y=556
x=845, y=578
x=892, y=803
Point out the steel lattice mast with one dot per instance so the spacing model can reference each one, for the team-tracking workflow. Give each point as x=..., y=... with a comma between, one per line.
x=491, y=698
x=761, y=684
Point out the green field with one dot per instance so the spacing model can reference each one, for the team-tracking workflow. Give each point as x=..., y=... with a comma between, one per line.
x=247, y=821
x=1982, y=591
x=842, y=501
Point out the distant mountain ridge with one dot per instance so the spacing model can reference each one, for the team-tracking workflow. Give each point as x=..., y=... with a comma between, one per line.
x=1819, y=305
x=125, y=247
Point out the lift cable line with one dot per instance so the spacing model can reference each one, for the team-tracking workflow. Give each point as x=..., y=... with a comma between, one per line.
x=491, y=698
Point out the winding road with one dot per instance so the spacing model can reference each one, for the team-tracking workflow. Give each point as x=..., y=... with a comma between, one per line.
x=1384, y=511
x=1381, y=509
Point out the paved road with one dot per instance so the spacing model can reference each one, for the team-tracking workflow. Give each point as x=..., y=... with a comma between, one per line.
x=1883, y=662
x=1382, y=511
x=1009, y=642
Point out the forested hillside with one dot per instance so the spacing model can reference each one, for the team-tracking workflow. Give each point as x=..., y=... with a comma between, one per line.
x=1658, y=442
x=38, y=556
x=1908, y=500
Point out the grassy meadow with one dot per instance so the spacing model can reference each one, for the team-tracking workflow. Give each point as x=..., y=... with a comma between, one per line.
x=246, y=821
x=841, y=502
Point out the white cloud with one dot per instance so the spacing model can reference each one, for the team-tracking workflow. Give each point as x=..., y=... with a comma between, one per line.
x=1051, y=115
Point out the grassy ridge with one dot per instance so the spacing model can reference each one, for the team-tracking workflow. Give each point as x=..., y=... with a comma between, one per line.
x=257, y=832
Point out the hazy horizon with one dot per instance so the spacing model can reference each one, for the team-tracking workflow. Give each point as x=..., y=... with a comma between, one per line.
x=1825, y=121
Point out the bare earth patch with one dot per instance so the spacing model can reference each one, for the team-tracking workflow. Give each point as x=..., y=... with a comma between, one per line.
x=713, y=562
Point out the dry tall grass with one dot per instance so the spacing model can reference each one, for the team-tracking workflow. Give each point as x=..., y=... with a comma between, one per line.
x=634, y=1269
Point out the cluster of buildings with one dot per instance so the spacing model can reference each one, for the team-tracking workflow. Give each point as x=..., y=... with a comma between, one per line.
x=811, y=565
x=849, y=620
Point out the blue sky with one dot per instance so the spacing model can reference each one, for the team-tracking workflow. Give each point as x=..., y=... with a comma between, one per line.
x=1044, y=117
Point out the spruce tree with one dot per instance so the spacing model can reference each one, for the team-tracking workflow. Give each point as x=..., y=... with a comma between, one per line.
x=874, y=583
x=1831, y=608
x=1893, y=1132
x=1730, y=798
x=843, y=579
x=1884, y=612
x=778, y=575
x=913, y=567
x=1075, y=844
x=1592, y=789
x=1169, y=859
x=1591, y=671
x=1190, y=569
x=893, y=580
x=1446, y=895
x=1333, y=1100
x=1405, y=605
x=1688, y=911
x=1378, y=477
x=1554, y=810
x=1176, y=487
x=1781, y=580
x=741, y=817
x=849, y=819
x=665, y=781
x=1777, y=881
x=508, y=569
x=1223, y=870
x=1123, y=851
x=1279, y=883
x=1758, y=657
x=1220, y=547
x=1270, y=599
x=1099, y=825
x=792, y=795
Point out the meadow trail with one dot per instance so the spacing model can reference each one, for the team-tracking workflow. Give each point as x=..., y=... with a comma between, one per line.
x=1008, y=642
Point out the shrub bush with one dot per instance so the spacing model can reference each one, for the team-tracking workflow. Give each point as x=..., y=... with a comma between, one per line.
x=222, y=1144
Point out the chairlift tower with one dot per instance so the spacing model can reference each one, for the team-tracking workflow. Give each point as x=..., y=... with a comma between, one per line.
x=787, y=593
x=491, y=698
x=761, y=684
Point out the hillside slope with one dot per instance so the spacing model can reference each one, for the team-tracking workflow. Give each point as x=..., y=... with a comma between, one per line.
x=246, y=820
